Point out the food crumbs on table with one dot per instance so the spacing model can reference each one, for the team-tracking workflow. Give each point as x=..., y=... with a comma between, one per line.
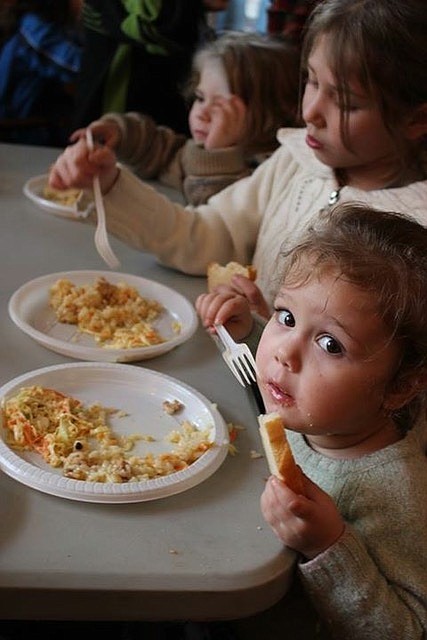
x=233, y=432
x=172, y=406
x=146, y=438
x=255, y=454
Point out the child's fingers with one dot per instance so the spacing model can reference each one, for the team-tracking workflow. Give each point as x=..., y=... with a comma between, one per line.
x=253, y=294
x=230, y=310
x=73, y=168
x=208, y=306
x=203, y=305
x=228, y=122
x=287, y=500
x=238, y=106
x=77, y=134
x=106, y=133
x=248, y=288
x=232, y=104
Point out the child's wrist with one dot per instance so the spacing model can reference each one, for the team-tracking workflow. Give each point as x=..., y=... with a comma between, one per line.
x=314, y=552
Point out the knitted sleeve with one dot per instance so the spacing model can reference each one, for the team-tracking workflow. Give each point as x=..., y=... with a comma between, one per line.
x=146, y=148
x=372, y=583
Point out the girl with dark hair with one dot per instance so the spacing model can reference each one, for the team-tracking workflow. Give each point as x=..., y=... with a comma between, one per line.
x=365, y=109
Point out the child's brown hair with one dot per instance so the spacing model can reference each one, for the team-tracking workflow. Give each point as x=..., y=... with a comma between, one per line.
x=264, y=72
x=381, y=43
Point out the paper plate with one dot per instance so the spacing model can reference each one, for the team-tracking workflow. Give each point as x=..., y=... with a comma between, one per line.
x=30, y=311
x=138, y=392
x=33, y=189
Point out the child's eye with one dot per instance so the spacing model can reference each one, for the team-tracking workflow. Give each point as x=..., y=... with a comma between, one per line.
x=311, y=80
x=349, y=108
x=198, y=97
x=330, y=345
x=285, y=317
x=312, y=83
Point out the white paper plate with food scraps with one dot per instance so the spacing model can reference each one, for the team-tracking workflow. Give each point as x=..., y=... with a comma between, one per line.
x=138, y=394
x=70, y=203
x=30, y=310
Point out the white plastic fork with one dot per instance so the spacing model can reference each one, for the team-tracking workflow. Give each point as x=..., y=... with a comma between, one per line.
x=238, y=357
x=102, y=243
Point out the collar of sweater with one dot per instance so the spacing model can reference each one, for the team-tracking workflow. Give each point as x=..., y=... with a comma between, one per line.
x=411, y=197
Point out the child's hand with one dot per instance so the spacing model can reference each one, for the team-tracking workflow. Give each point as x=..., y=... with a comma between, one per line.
x=228, y=123
x=308, y=524
x=105, y=131
x=226, y=307
x=253, y=294
x=77, y=166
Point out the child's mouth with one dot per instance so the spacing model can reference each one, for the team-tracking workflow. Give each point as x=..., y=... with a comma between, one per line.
x=279, y=395
x=313, y=143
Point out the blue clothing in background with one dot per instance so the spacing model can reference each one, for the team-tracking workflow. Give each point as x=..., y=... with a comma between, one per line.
x=38, y=66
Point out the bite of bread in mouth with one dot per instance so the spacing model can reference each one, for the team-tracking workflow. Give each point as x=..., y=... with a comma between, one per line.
x=279, y=456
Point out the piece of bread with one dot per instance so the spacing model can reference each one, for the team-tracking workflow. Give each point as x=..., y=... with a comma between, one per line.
x=279, y=455
x=222, y=274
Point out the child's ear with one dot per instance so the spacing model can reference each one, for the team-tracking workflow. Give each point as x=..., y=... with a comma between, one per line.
x=416, y=126
x=405, y=391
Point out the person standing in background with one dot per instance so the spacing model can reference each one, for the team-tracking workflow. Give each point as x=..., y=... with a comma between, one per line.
x=288, y=18
x=40, y=54
x=137, y=55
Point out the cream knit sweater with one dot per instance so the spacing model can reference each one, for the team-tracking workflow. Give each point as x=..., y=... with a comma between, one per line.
x=249, y=220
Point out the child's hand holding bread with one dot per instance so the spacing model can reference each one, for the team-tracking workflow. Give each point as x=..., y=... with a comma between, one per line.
x=223, y=274
x=226, y=303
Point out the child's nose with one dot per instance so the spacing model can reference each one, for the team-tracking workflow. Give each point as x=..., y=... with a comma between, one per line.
x=313, y=110
x=289, y=354
x=205, y=112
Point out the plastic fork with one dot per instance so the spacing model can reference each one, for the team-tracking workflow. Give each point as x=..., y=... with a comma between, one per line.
x=102, y=243
x=238, y=357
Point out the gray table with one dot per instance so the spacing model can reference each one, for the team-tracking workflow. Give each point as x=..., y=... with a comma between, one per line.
x=63, y=559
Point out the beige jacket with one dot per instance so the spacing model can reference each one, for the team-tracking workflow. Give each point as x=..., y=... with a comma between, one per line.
x=248, y=221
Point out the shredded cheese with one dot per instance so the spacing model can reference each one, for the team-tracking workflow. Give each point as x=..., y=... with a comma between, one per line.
x=79, y=440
